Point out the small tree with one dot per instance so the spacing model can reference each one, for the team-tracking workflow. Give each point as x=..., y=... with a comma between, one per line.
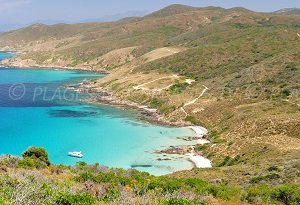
x=37, y=153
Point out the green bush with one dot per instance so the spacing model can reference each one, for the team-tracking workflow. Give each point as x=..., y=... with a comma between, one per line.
x=27, y=163
x=224, y=191
x=273, y=168
x=215, y=137
x=267, y=177
x=285, y=93
x=192, y=119
x=156, y=103
x=287, y=194
x=178, y=88
x=176, y=202
x=202, y=147
x=258, y=193
x=165, y=184
x=35, y=157
x=111, y=195
x=76, y=199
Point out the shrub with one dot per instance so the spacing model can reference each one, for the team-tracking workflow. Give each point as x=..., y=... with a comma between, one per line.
x=37, y=156
x=111, y=195
x=291, y=66
x=192, y=119
x=285, y=93
x=29, y=163
x=176, y=202
x=178, y=88
x=81, y=165
x=76, y=199
x=202, y=147
x=287, y=194
x=215, y=137
x=224, y=191
x=228, y=161
x=273, y=168
x=86, y=176
x=265, y=178
x=258, y=193
x=156, y=103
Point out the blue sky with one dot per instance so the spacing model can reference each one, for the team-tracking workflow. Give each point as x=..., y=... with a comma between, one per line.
x=27, y=11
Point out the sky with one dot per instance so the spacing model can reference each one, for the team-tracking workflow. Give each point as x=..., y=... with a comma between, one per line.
x=31, y=11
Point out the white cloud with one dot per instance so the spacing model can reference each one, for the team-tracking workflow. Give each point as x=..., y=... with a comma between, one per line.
x=6, y=5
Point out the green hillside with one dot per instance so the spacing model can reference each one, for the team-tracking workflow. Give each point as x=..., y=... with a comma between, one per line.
x=234, y=71
x=83, y=44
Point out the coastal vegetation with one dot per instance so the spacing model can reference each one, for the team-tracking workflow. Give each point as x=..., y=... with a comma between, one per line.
x=85, y=184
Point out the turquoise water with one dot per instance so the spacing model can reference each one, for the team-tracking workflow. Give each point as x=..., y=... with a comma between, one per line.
x=4, y=55
x=35, y=112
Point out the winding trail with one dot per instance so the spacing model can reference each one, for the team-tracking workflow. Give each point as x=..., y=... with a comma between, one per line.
x=195, y=100
x=183, y=110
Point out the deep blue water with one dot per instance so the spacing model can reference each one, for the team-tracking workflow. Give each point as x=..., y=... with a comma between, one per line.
x=37, y=110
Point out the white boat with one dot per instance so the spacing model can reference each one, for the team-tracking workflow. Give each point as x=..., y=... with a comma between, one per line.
x=75, y=154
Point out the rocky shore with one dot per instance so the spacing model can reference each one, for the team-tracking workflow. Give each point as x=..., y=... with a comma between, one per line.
x=99, y=96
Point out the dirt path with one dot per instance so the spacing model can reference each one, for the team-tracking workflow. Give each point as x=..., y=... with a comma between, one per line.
x=142, y=86
x=183, y=110
x=195, y=100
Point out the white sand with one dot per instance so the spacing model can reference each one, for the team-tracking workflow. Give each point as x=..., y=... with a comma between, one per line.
x=200, y=132
x=199, y=161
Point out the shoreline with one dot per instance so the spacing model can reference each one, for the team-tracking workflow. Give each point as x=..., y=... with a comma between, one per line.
x=4, y=65
x=151, y=115
x=10, y=64
x=148, y=114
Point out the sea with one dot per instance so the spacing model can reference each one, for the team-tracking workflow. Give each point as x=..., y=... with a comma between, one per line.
x=36, y=109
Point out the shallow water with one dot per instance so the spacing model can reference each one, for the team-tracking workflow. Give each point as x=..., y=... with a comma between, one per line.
x=36, y=110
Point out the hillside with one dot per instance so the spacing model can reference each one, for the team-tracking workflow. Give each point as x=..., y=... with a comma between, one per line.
x=233, y=71
x=289, y=11
x=83, y=45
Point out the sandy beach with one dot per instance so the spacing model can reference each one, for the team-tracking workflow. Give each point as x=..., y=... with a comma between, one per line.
x=199, y=161
x=200, y=133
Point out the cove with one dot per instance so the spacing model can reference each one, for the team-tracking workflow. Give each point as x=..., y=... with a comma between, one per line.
x=107, y=135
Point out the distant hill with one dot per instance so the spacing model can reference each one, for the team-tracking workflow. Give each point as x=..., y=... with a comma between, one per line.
x=289, y=11
x=172, y=10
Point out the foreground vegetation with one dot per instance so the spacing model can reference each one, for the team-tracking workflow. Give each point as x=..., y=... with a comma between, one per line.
x=33, y=180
